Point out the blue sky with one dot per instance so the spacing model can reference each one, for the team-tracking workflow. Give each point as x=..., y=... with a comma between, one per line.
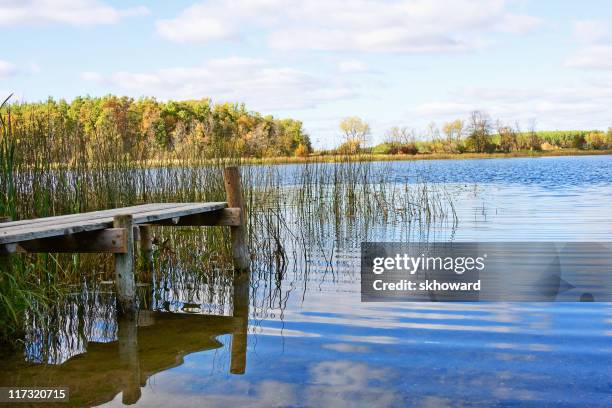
x=393, y=63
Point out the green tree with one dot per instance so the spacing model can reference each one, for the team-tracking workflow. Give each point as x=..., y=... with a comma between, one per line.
x=479, y=139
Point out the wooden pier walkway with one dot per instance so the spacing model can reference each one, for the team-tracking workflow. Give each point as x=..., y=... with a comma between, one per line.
x=115, y=231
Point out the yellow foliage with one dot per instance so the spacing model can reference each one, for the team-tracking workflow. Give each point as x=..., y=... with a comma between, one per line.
x=302, y=150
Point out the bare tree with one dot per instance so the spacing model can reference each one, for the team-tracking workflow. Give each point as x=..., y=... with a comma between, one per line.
x=533, y=140
x=399, y=135
x=432, y=131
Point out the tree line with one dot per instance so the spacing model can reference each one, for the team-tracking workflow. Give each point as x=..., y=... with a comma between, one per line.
x=478, y=134
x=148, y=128
x=104, y=128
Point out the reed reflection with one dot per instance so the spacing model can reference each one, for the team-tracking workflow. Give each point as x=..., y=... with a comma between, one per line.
x=137, y=349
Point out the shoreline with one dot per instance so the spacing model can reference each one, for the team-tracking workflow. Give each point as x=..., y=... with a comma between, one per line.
x=364, y=157
x=430, y=156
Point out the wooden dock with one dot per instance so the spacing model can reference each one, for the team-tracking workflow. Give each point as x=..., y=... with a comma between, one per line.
x=115, y=231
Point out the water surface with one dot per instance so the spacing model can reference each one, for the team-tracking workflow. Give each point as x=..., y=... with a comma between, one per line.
x=311, y=342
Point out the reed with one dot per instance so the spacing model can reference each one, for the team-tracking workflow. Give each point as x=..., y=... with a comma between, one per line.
x=291, y=213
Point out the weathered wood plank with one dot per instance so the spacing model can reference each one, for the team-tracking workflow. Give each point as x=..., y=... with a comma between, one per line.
x=194, y=208
x=23, y=233
x=224, y=217
x=60, y=219
x=110, y=240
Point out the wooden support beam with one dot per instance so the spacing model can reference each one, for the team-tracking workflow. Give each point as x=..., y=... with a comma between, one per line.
x=146, y=253
x=230, y=217
x=110, y=240
x=5, y=250
x=233, y=192
x=146, y=240
x=124, y=269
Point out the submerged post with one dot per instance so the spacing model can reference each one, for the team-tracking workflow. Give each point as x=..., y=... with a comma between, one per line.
x=233, y=192
x=241, y=315
x=127, y=335
x=124, y=268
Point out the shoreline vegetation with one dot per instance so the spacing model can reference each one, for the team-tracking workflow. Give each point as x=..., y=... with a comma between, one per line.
x=354, y=158
x=317, y=158
x=146, y=131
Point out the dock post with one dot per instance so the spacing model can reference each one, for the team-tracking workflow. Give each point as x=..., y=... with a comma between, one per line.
x=124, y=268
x=146, y=242
x=146, y=249
x=5, y=257
x=233, y=192
x=145, y=265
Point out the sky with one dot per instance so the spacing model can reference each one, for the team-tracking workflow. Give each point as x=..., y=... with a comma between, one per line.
x=539, y=63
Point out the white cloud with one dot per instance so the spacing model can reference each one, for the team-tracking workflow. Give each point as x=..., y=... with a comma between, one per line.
x=7, y=69
x=591, y=57
x=358, y=25
x=72, y=12
x=195, y=25
x=580, y=105
x=596, y=51
x=519, y=23
x=235, y=62
x=253, y=81
x=352, y=67
x=590, y=31
x=444, y=109
x=391, y=39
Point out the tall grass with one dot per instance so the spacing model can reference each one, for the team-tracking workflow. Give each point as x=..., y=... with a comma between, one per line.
x=291, y=213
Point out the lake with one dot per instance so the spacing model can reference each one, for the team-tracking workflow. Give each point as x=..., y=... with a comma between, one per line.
x=310, y=341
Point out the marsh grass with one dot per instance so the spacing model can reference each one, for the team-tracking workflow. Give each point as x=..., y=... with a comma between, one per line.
x=291, y=214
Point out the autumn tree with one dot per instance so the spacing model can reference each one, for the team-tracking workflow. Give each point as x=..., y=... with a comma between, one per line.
x=453, y=130
x=401, y=140
x=508, y=137
x=113, y=126
x=534, y=142
x=479, y=128
x=355, y=130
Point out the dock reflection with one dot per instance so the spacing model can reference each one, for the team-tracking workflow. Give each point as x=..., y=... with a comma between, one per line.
x=153, y=342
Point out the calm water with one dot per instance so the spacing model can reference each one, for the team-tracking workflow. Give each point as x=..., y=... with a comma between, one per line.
x=311, y=342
